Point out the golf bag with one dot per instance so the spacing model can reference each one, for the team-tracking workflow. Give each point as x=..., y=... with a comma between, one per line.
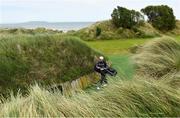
x=109, y=71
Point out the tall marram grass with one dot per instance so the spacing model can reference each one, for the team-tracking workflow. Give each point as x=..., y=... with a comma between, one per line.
x=43, y=58
x=158, y=57
x=137, y=97
x=109, y=31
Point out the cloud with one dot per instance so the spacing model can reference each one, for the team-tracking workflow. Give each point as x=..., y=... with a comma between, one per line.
x=71, y=10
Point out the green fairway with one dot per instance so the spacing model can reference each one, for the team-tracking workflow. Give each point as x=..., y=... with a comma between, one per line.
x=117, y=52
x=178, y=38
x=111, y=47
x=123, y=64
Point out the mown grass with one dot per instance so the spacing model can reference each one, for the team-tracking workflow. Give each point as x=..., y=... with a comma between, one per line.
x=115, y=47
x=111, y=47
x=123, y=64
x=177, y=37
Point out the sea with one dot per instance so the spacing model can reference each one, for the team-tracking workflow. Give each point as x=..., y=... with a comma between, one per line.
x=62, y=26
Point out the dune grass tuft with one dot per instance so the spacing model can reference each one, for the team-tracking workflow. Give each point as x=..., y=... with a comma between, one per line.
x=137, y=97
x=46, y=59
x=158, y=57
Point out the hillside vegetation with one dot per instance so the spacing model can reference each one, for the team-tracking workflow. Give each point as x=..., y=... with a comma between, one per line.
x=109, y=31
x=102, y=30
x=33, y=64
x=119, y=99
x=175, y=31
x=141, y=96
x=17, y=31
x=158, y=57
x=45, y=59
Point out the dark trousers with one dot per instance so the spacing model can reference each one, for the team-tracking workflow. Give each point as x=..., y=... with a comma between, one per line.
x=103, y=78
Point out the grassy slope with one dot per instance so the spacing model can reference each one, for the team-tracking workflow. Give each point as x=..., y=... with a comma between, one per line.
x=137, y=97
x=158, y=57
x=118, y=99
x=45, y=59
x=109, y=31
x=111, y=47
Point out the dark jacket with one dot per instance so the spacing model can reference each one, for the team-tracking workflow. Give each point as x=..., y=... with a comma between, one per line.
x=100, y=66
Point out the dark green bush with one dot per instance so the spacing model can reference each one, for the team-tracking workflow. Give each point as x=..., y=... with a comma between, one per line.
x=98, y=31
x=123, y=17
x=161, y=17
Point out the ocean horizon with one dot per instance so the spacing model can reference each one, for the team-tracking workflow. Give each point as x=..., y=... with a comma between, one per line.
x=62, y=26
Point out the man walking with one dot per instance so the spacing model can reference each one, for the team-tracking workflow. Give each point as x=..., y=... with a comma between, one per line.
x=101, y=67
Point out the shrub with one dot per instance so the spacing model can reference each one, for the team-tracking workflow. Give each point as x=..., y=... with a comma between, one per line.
x=107, y=35
x=126, y=18
x=98, y=31
x=161, y=17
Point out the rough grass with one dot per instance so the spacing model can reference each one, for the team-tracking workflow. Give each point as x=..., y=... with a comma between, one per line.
x=42, y=58
x=18, y=31
x=120, y=98
x=138, y=97
x=158, y=57
x=141, y=96
x=109, y=31
x=175, y=31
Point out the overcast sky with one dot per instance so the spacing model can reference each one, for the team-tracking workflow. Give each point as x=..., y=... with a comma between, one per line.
x=14, y=11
